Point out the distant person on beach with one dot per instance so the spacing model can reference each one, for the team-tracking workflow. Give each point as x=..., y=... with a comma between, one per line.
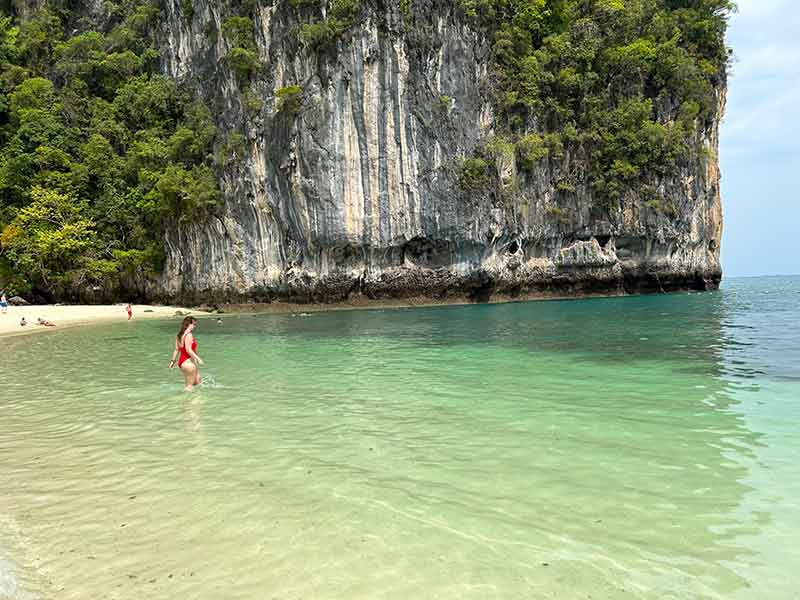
x=45, y=322
x=3, y=303
x=129, y=310
x=188, y=362
x=22, y=322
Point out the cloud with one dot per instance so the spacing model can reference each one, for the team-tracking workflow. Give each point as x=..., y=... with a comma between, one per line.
x=764, y=85
x=760, y=139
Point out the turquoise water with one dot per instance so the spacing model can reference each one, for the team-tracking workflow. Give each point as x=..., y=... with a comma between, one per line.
x=642, y=447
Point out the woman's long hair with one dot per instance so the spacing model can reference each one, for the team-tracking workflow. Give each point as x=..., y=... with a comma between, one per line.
x=184, y=325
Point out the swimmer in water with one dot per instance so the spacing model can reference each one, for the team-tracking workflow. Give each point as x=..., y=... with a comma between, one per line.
x=188, y=362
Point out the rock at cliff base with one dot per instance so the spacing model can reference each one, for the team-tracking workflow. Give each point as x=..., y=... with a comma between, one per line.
x=17, y=301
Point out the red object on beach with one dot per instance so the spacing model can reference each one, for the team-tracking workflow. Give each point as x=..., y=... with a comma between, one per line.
x=130, y=312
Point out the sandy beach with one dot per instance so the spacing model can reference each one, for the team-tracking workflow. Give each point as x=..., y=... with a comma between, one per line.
x=74, y=315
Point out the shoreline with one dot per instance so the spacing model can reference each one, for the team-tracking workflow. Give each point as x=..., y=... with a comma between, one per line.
x=363, y=303
x=68, y=316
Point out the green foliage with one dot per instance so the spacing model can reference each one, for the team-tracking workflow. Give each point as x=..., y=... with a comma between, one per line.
x=238, y=31
x=345, y=11
x=49, y=240
x=97, y=153
x=530, y=150
x=251, y=102
x=233, y=150
x=187, y=8
x=290, y=99
x=625, y=83
x=144, y=16
x=341, y=16
x=37, y=38
x=36, y=93
x=181, y=191
x=316, y=34
x=533, y=147
x=566, y=187
x=473, y=174
x=242, y=55
x=558, y=214
x=148, y=102
x=663, y=207
x=244, y=62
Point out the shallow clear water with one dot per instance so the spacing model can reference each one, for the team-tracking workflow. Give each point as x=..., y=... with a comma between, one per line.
x=641, y=447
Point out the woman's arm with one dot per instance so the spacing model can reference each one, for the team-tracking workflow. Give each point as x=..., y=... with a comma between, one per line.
x=174, y=355
x=187, y=343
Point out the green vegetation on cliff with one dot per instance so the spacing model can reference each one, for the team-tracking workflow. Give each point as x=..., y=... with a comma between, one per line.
x=97, y=150
x=341, y=15
x=625, y=85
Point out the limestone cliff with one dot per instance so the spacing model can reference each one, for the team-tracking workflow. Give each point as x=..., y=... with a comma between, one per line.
x=355, y=193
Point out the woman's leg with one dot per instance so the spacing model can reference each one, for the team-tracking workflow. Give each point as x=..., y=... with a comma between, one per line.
x=197, y=380
x=189, y=371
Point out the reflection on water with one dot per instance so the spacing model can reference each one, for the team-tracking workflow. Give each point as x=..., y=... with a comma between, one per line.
x=632, y=447
x=193, y=408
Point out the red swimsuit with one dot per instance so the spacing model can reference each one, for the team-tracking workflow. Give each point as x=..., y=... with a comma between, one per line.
x=185, y=355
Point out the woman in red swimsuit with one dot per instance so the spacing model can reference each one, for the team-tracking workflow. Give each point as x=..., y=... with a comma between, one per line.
x=189, y=363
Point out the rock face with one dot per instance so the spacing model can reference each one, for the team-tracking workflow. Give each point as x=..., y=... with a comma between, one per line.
x=355, y=193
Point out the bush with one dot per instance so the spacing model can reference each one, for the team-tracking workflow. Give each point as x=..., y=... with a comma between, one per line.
x=530, y=150
x=499, y=148
x=242, y=56
x=184, y=193
x=243, y=63
x=473, y=174
x=238, y=31
x=289, y=99
x=342, y=15
x=316, y=34
x=187, y=8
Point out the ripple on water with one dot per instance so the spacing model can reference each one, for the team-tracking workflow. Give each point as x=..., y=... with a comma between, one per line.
x=629, y=447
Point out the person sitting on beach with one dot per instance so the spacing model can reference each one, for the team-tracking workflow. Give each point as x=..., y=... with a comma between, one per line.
x=22, y=322
x=189, y=363
x=45, y=322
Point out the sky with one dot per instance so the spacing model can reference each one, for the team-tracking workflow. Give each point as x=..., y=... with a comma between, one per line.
x=760, y=142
